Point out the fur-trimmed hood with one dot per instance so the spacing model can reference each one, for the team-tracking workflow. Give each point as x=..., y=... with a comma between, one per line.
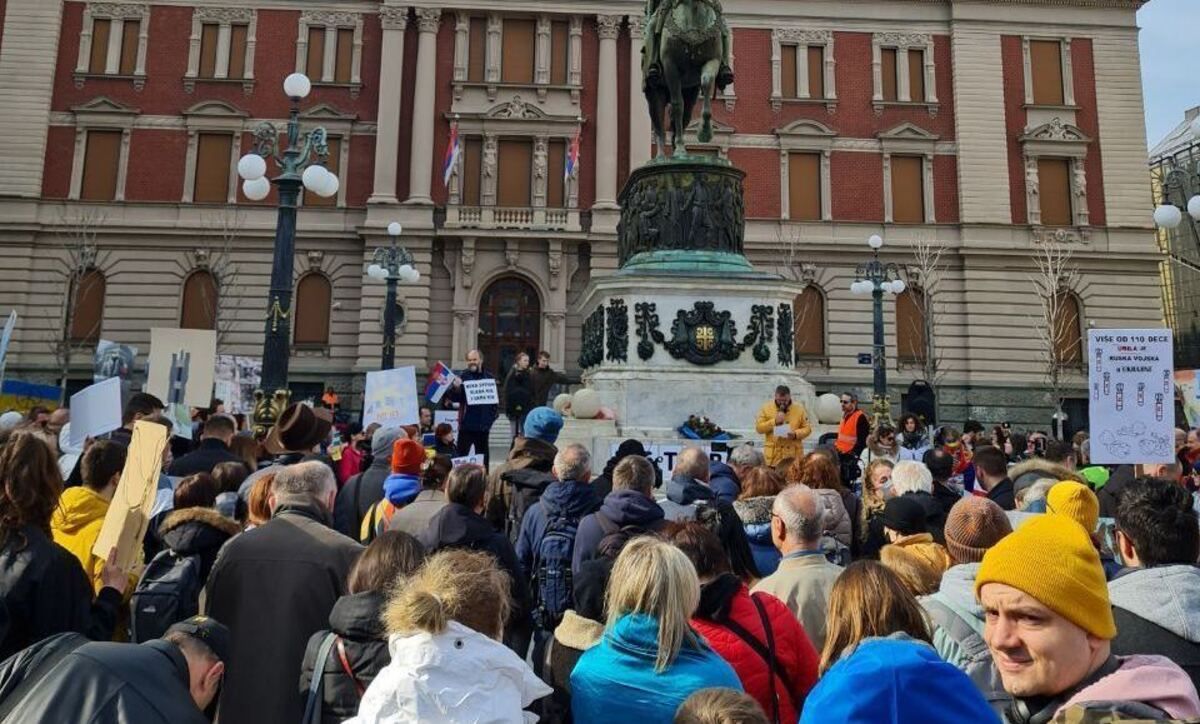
x=755, y=510
x=577, y=632
x=191, y=530
x=1030, y=471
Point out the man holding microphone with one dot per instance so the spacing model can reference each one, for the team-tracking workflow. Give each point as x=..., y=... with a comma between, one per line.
x=785, y=426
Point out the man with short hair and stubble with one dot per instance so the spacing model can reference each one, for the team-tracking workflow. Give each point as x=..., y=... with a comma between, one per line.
x=804, y=577
x=474, y=421
x=628, y=511
x=274, y=586
x=1060, y=452
x=544, y=379
x=1156, y=599
x=991, y=470
x=215, y=439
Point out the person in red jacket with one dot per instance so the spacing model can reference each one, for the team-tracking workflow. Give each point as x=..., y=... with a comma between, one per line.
x=756, y=634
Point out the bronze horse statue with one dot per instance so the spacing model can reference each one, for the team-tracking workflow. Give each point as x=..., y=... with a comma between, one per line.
x=691, y=50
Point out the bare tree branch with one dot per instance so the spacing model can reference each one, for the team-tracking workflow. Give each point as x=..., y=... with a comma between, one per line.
x=227, y=225
x=925, y=271
x=78, y=229
x=1055, y=275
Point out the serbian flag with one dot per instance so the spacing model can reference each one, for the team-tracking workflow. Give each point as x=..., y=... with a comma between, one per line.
x=572, y=165
x=440, y=378
x=453, y=151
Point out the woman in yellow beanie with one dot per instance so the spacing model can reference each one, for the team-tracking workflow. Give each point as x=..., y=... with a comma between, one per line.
x=1049, y=627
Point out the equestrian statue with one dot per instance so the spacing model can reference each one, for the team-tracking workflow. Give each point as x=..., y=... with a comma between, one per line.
x=685, y=57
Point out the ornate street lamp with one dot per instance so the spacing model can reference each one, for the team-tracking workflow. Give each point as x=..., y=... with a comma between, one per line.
x=392, y=264
x=875, y=278
x=1180, y=187
x=301, y=164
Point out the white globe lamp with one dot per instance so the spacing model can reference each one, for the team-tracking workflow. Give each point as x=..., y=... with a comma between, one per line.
x=898, y=286
x=1168, y=216
x=314, y=178
x=1194, y=207
x=252, y=167
x=256, y=189
x=376, y=271
x=297, y=86
x=875, y=242
x=329, y=186
x=394, y=228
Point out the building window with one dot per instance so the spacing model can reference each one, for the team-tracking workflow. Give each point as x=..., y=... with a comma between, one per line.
x=804, y=186
x=101, y=164
x=560, y=49
x=1046, y=71
x=903, y=69
x=891, y=84
x=908, y=190
x=333, y=164
x=314, y=300
x=916, y=75
x=516, y=63
x=200, y=298
x=1068, y=331
x=472, y=160
x=802, y=66
x=113, y=41
x=329, y=47
x=212, y=168
x=87, y=313
x=910, y=327
x=791, y=85
x=232, y=62
x=477, y=50
x=556, y=182
x=515, y=172
x=222, y=46
x=808, y=312
x=1054, y=187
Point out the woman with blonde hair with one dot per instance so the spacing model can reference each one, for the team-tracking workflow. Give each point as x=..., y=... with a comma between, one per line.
x=876, y=489
x=818, y=472
x=869, y=601
x=650, y=659
x=447, y=662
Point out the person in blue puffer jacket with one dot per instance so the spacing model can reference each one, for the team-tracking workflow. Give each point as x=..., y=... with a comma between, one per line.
x=649, y=659
x=759, y=487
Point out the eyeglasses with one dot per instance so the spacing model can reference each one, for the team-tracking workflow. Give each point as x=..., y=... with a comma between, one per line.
x=847, y=402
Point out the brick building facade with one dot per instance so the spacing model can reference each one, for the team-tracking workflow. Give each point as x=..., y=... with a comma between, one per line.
x=988, y=128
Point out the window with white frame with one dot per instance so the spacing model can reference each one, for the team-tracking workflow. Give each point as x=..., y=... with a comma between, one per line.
x=802, y=66
x=113, y=42
x=908, y=186
x=329, y=48
x=543, y=51
x=1049, y=77
x=338, y=127
x=101, y=160
x=214, y=146
x=221, y=46
x=903, y=69
x=1055, y=155
x=804, y=166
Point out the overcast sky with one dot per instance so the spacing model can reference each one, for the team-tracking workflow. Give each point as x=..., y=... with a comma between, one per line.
x=1170, y=59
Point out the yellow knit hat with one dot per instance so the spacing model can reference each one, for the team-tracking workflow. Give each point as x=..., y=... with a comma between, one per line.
x=1052, y=559
x=1076, y=501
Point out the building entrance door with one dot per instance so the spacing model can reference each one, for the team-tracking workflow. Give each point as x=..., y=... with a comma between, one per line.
x=510, y=322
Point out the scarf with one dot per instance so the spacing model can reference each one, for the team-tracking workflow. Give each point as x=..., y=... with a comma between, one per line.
x=401, y=488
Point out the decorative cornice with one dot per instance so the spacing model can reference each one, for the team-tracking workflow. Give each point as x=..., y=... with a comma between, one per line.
x=802, y=36
x=330, y=18
x=118, y=10
x=428, y=19
x=608, y=26
x=903, y=40
x=516, y=109
x=637, y=29
x=393, y=18
x=1056, y=130
x=805, y=127
x=219, y=109
x=907, y=132
x=104, y=104
x=223, y=15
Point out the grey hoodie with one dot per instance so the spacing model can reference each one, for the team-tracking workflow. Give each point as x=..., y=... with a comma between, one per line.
x=1167, y=596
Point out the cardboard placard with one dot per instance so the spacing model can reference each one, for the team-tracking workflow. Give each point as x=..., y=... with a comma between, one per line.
x=449, y=417
x=95, y=410
x=390, y=398
x=481, y=392
x=112, y=359
x=190, y=352
x=129, y=512
x=1131, y=381
x=469, y=459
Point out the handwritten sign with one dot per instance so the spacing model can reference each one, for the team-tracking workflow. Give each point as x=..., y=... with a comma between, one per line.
x=663, y=455
x=129, y=512
x=390, y=398
x=192, y=350
x=469, y=459
x=448, y=417
x=95, y=410
x=481, y=392
x=1131, y=401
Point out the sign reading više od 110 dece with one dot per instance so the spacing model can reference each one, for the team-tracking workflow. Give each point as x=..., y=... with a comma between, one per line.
x=1131, y=396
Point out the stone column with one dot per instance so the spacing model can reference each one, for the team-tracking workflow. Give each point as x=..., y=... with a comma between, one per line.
x=421, y=163
x=387, y=137
x=609, y=27
x=640, y=148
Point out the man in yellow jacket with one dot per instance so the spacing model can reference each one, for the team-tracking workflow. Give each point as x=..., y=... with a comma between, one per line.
x=773, y=417
x=77, y=520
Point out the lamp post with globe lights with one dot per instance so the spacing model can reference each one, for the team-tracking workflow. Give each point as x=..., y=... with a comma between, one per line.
x=874, y=278
x=1180, y=186
x=300, y=165
x=392, y=264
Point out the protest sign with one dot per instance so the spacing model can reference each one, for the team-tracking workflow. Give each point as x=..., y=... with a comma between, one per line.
x=481, y=392
x=1189, y=395
x=663, y=454
x=181, y=366
x=5, y=339
x=95, y=410
x=450, y=417
x=112, y=360
x=469, y=459
x=236, y=378
x=129, y=511
x=1132, y=396
x=390, y=398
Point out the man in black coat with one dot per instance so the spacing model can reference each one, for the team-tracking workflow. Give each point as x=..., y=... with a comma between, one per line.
x=991, y=472
x=461, y=525
x=365, y=489
x=628, y=511
x=474, y=421
x=274, y=587
x=65, y=678
x=214, y=449
x=1156, y=600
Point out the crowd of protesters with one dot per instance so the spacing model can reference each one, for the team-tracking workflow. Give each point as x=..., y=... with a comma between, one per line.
x=327, y=573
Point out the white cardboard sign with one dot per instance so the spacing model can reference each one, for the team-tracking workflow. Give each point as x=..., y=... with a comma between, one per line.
x=390, y=398
x=469, y=459
x=1131, y=400
x=95, y=410
x=450, y=417
x=198, y=347
x=481, y=392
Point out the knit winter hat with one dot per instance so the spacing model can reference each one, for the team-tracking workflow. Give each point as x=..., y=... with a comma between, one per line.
x=1052, y=559
x=973, y=526
x=905, y=515
x=1096, y=475
x=407, y=457
x=382, y=441
x=543, y=424
x=1075, y=501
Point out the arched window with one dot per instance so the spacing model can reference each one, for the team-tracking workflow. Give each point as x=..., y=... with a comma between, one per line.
x=199, y=301
x=87, y=315
x=510, y=322
x=1068, y=331
x=808, y=313
x=314, y=299
x=910, y=327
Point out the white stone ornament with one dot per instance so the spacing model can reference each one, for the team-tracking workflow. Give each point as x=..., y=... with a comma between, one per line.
x=257, y=189
x=562, y=402
x=829, y=409
x=585, y=404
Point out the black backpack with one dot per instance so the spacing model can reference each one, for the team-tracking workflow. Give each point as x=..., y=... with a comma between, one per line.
x=526, y=486
x=615, y=537
x=552, y=572
x=168, y=593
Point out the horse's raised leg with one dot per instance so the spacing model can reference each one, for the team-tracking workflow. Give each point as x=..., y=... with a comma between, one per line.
x=678, y=123
x=708, y=77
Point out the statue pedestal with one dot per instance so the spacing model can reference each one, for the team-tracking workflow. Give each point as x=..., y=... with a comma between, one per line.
x=659, y=347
